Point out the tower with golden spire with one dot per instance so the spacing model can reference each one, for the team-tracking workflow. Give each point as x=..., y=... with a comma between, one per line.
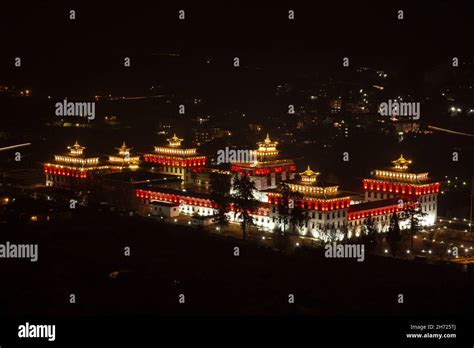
x=324, y=205
x=124, y=159
x=175, y=159
x=267, y=149
x=401, y=182
x=73, y=169
x=269, y=169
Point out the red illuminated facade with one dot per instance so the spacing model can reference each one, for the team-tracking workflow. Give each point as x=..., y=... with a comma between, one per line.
x=324, y=205
x=390, y=190
x=174, y=159
x=269, y=170
x=74, y=169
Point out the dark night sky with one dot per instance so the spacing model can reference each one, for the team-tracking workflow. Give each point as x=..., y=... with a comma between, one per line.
x=58, y=53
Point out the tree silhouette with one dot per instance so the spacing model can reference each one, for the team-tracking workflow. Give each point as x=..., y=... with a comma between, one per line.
x=394, y=235
x=330, y=233
x=369, y=236
x=220, y=195
x=413, y=214
x=244, y=200
x=290, y=209
x=283, y=204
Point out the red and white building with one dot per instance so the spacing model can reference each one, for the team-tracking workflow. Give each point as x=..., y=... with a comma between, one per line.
x=324, y=205
x=269, y=169
x=406, y=186
x=175, y=159
x=326, y=208
x=74, y=170
x=388, y=191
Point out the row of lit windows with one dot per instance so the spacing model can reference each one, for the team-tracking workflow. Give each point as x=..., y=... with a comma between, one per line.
x=429, y=207
x=190, y=209
x=172, y=170
x=423, y=199
x=428, y=198
x=57, y=178
x=381, y=218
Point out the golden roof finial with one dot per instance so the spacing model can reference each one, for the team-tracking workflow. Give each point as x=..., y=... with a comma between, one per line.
x=267, y=142
x=308, y=177
x=174, y=140
x=76, y=149
x=401, y=162
x=309, y=173
x=267, y=139
x=124, y=149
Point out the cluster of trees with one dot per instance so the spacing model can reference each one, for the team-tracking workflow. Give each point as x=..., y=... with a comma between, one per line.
x=291, y=213
x=242, y=198
x=412, y=214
